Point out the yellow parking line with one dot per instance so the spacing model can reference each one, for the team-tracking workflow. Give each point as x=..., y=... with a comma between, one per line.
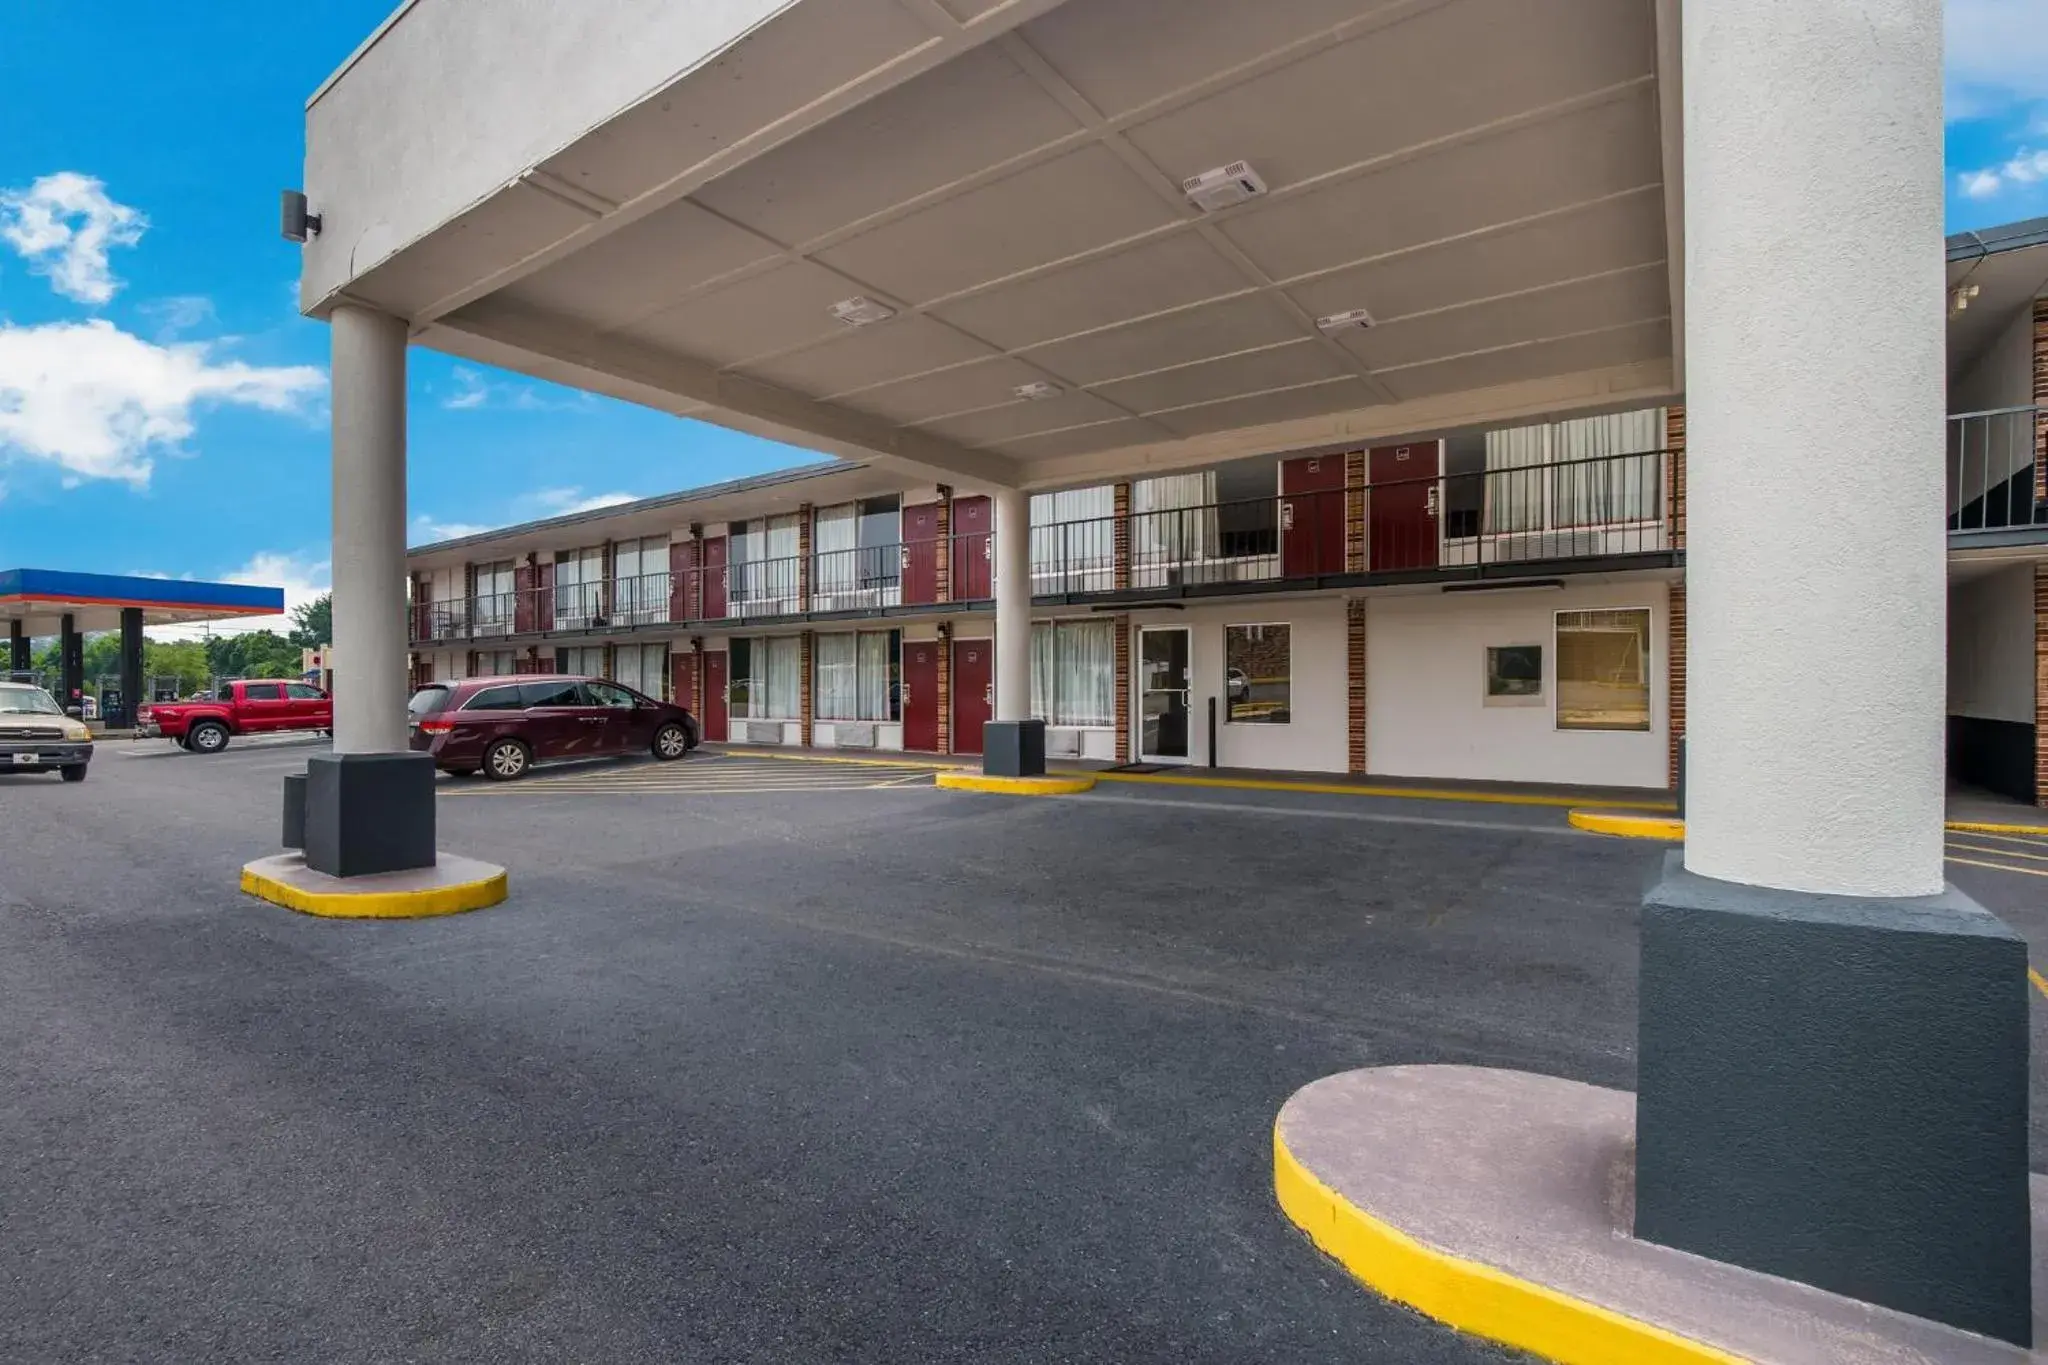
x=1999, y=852
x=933, y=765
x=2002, y=867
x=2032, y=838
x=2040, y=982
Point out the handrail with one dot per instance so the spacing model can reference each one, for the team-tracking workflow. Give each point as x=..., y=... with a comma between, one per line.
x=1996, y=476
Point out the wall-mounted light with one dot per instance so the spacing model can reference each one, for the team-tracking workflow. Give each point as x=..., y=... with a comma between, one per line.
x=296, y=223
x=945, y=630
x=1960, y=297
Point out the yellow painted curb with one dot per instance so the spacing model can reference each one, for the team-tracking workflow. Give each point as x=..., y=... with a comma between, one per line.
x=1628, y=826
x=1483, y=798
x=1979, y=827
x=439, y=900
x=1469, y=1296
x=1064, y=785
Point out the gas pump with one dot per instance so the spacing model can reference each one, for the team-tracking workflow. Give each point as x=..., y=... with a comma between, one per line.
x=113, y=706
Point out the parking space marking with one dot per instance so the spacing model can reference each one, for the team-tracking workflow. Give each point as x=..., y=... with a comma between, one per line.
x=2024, y=854
x=1313, y=813
x=706, y=775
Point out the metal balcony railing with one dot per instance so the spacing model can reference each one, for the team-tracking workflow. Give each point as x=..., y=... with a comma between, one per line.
x=1996, y=470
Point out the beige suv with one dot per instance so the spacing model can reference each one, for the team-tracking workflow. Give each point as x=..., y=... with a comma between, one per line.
x=36, y=735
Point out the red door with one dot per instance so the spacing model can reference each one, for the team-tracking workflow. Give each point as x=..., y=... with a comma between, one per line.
x=713, y=576
x=1311, y=516
x=524, y=599
x=921, y=695
x=422, y=608
x=920, y=555
x=682, y=683
x=973, y=520
x=679, y=555
x=714, y=696
x=1401, y=506
x=973, y=691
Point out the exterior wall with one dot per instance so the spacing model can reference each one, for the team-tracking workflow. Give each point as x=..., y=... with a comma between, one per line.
x=1313, y=740
x=2003, y=376
x=1993, y=657
x=1426, y=670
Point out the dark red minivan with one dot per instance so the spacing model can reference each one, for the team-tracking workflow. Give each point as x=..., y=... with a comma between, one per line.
x=505, y=725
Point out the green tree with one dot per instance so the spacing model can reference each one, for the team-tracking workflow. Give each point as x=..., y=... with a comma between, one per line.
x=313, y=622
x=254, y=654
x=184, y=660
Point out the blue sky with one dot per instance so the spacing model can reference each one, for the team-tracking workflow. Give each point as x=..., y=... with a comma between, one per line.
x=162, y=404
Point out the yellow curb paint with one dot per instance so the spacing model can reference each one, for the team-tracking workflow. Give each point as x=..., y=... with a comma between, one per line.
x=2040, y=982
x=1472, y=1297
x=1980, y=827
x=1484, y=798
x=439, y=900
x=1627, y=826
x=1015, y=786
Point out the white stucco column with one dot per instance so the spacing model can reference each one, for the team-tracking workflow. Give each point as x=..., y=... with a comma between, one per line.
x=369, y=531
x=1013, y=604
x=1815, y=550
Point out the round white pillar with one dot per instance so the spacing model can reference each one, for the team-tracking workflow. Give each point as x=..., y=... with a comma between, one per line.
x=1013, y=604
x=1816, y=551
x=369, y=531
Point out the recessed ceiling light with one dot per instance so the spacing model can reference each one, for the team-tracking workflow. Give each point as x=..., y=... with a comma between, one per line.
x=1350, y=317
x=859, y=312
x=1037, y=388
x=1224, y=186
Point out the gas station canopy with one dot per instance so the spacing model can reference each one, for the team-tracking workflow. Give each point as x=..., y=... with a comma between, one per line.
x=40, y=599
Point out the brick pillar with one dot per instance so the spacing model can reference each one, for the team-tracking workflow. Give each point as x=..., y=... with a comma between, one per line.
x=2041, y=685
x=1354, y=512
x=1674, y=681
x=803, y=682
x=942, y=583
x=803, y=589
x=1354, y=620
x=2040, y=404
x=1674, y=472
x=611, y=660
x=944, y=688
x=1123, y=689
x=1121, y=510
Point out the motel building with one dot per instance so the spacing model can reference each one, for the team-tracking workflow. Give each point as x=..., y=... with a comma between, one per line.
x=1477, y=390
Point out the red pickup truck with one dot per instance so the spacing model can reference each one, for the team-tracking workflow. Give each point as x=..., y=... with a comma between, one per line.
x=254, y=707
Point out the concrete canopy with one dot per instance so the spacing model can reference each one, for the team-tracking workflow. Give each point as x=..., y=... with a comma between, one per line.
x=663, y=202
x=41, y=598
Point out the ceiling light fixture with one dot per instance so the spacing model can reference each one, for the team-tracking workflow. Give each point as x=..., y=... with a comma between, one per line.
x=1037, y=388
x=1223, y=187
x=1960, y=299
x=1350, y=317
x=859, y=311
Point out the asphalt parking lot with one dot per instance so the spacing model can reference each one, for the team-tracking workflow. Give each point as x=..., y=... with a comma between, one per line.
x=845, y=1068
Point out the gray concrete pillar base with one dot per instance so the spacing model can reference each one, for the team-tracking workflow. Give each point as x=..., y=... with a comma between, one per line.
x=1833, y=1089
x=368, y=813
x=1013, y=748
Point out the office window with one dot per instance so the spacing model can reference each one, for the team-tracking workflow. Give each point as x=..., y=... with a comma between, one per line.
x=1514, y=675
x=1073, y=672
x=1258, y=674
x=1603, y=669
x=857, y=675
x=766, y=677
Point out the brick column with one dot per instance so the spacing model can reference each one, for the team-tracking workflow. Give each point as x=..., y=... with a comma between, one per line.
x=1674, y=473
x=1354, y=673
x=803, y=582
x=2040, y=404
x=2041, y=685
x=1674, y=683
x=1354, y=512
x=942, y=580
x=804, y=706
x=1121, y=510
x=1123, y=689
x=611, y=660
x=943, y=689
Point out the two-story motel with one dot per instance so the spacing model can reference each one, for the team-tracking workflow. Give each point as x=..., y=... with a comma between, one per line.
x=1503, y=604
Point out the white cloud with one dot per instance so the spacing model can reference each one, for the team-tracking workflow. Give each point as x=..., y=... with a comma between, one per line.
x=301, y=577
x=561, y=502
x=473, y=391
x=98, y=402
x=64, y=225
x=427, y=531
x=1996, y=55
x=2024, y=167
x=177, y=314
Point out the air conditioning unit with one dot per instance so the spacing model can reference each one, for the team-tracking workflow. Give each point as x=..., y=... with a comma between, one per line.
x=851, y=736
x=1223, y=187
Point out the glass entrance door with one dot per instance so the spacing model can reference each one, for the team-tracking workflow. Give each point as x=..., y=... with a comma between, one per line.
x=1163, y=693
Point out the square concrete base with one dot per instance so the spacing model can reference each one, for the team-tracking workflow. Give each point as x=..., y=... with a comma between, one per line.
x=1013, y=748
x=1500, y=1202
x=1834, y=1089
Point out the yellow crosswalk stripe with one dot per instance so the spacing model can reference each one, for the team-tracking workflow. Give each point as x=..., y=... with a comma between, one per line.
x=1961, y=847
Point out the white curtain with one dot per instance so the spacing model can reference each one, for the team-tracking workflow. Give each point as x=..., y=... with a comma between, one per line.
x=1073, y=537
x=835, y=567
x=873, y=673
x=1514, y=480
x=1073, y=672
x=785, y=676
x=1607, y=489
x=837, y=690
x=1173, y=518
